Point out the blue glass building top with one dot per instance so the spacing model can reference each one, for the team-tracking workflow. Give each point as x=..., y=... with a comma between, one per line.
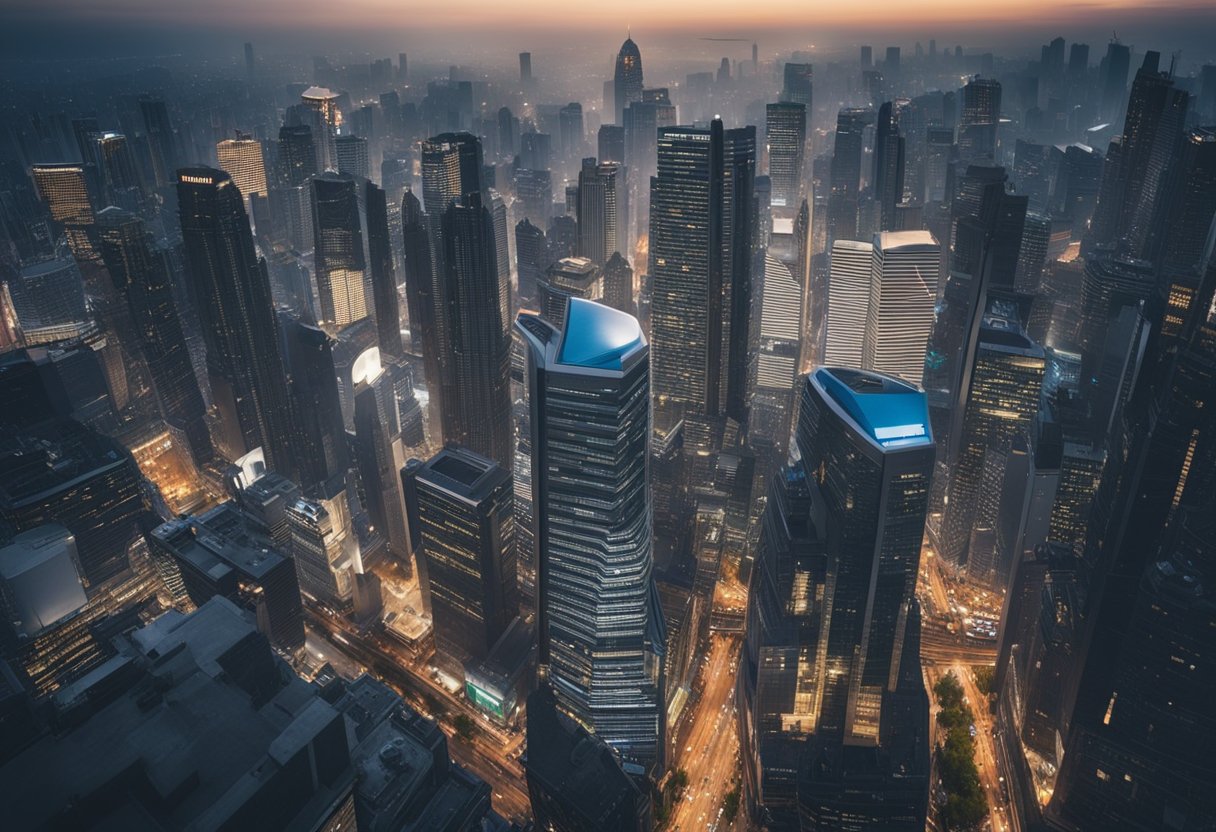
x=597, y=336
x=891, y=412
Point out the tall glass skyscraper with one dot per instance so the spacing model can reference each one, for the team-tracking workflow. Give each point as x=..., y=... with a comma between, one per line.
x=785, y=133
x=830, y=690
x=627, y=80
x=602, y=635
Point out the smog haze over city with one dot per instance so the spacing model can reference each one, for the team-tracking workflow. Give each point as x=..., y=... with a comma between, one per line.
x=559, y=417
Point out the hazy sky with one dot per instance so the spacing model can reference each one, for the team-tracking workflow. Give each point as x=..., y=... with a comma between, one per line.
x=59, y=26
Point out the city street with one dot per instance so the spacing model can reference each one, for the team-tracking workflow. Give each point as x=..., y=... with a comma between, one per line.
x=710, y=752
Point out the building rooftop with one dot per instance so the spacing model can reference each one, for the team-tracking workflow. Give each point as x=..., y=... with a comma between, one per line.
x=892, y=413
x=888, y=240
x=463, y=473
x=219, y=541
x=598, y=336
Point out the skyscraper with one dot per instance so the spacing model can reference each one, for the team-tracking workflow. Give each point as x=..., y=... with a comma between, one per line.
x=297, y=153
x=981, y=114
x=599, y=221
x=451, y=168
x=343, y=281
x=465, y=512
x=618, y=284
x=1002, y=400
x=162, y=141
x=627, y=79
x=323, y=548
x=384, y=303
x=321, y=441
x=785, y=133
x=64, y=188
x=475, y=354
x=845, y=183
x=352, y=155
x=242, y=159
x=232, y=296
x=903, y=291
x=830, y=690
x=570, y=277
x=700, y=271
x=379, y=455
x=796, y=84
x=143, y=277
x=888, y=179
x=600, y=627
x=848, y=302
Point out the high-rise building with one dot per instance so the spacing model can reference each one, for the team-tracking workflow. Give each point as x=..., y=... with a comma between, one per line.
x=600, y=192
x=700, y=271
x=218, y=553
x=379, y=455
x=62, y=472
x=830, y=689
x=343, y=281
x=785, y=134
x=570, y=277
x=235, y=307
x=978, y=121
x=143, y=276
x=352, y=156
x=525, y=68
x=796, y=87
x=600, y=627
x=324, y=548
x=242, y=159
x=49, y=303
x=534, y=195
x=162, y=141
x=845, y=185
x=451, y=168
x=321, y=442
x=383, y=302
x=903, y=292
x=465, y=510
x=627, y=79
x=1113, y=71
x=65, y=190
x=889, y=150
x=618, y=284
x=476, y=351
x=1002, y=400
x=852, y=265
x=297, y=154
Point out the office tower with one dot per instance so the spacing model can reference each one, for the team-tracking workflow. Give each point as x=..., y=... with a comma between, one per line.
x=343, y=282
x=221, y=553
x=143, y=277
x=534, y=195
x=62, y=472
x=321, y=442
x=830, y=694
x=234, y=305
x=889, y=150
x=465, y=512
x=785, y=133
x=848, y=303
x=599, y=225
x=575, y=781
x=324, y=102
x=891, y=64
x=618, y=284
x=250, y=63
x=903, y=291
x=120, y=178
x=1113, y=77
x=701, y=233
x=867, y=57
x=384, y=299
x=525, y=68
x=777, y=362
x=351, y=156
x=1152, y=131
x=981, y=114
x=535, y=151
x=476, y=353
x=796, y=85
x=65, y=190
x=1032, y=256
x=242, y=159
x=451, y=168
x=1002, y=400
x=570, y=134
x=1138, y=714
x=846, y=173
x=324, y=548
x=531, y=256
x=378, y=453
x=162, y=141
x=627, y=79
x=610, y=143
x=1078, y=61
x=570, y=277
x=297, y=153
x=600, y=629
x=48, y=301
